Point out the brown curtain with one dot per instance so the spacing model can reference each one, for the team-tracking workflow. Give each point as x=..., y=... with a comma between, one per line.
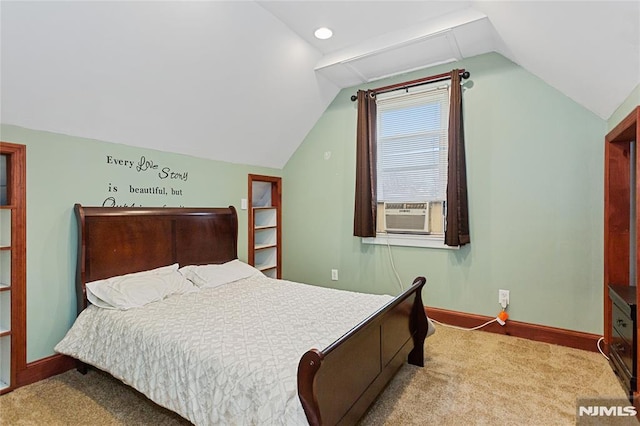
x=457, y=229
x=364, y=218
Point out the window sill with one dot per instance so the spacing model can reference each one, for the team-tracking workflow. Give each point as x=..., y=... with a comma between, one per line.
x=408, y=240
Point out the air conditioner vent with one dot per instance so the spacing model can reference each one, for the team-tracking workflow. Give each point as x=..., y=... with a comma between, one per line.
x=406, y=217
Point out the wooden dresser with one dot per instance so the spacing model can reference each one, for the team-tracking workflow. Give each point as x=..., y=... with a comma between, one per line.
x=622, y=250
x=622, y=349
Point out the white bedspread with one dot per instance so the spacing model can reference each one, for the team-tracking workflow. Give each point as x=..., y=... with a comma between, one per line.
x=227, y=355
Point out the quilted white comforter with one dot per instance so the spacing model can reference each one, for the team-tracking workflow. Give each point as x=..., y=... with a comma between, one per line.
x=226, y=355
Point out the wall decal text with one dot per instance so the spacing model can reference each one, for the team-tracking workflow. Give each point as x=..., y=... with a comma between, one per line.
x=143, y=165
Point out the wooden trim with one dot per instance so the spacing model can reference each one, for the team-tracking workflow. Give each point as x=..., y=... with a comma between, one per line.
x=45, y=368
x=17, y=198
x=251, y=259
x=276, y=201
x=627, y=130
x=539, y=333
x=617, y=201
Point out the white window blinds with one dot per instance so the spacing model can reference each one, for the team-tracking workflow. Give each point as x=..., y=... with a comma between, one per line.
x=412, y=145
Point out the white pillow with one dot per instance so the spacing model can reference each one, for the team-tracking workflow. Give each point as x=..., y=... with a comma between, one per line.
x=138, y=289
x=208, y=276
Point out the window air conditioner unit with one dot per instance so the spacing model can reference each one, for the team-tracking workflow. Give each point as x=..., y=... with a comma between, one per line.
x=408, y=218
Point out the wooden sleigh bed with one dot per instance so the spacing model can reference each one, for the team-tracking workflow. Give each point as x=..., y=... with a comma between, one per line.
x=335, y=384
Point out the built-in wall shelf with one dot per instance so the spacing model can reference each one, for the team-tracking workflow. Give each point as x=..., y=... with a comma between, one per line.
x=12, y=264
x=265, y=250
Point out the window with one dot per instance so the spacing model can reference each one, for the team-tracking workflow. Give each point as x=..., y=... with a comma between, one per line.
x=412, y=134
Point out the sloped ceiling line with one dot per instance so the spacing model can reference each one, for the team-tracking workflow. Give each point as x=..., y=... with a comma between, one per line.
x=146, y=74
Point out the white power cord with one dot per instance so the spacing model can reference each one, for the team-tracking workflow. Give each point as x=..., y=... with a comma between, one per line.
x=462, y=328
x=601, y=352
x=430, y=327
x=393, y=266
x=494, y=320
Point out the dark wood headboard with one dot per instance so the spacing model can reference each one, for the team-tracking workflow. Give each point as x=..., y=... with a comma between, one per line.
x=118, y=241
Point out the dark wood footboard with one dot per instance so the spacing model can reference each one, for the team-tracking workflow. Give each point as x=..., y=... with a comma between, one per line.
x=338, y=384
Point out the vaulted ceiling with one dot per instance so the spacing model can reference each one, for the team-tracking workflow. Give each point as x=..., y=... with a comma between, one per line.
x=245, y=81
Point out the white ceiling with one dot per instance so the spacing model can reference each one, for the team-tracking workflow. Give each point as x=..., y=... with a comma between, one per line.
x=245, y=81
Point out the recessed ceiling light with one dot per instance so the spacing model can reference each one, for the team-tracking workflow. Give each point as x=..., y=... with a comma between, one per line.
x=323, y=33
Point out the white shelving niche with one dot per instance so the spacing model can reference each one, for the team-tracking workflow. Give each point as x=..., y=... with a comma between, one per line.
x=266, y=240
x=264, y=225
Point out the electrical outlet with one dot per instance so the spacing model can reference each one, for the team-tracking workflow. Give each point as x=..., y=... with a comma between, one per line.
x=503, y=298
x=334, y=275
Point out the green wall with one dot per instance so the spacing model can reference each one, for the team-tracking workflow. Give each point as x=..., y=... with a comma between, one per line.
x=535, y=167
x=535, y=175
x=64, y=170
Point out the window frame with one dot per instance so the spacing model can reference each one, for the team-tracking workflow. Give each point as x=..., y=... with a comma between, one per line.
x=409, y=240
x=435, y=241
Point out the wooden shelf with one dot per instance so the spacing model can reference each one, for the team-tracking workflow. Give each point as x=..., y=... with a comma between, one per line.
x=264, y=224
x=266, y=267
x=264, y=246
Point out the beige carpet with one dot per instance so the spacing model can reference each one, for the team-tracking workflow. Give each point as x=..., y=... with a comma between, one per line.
x=470, y=378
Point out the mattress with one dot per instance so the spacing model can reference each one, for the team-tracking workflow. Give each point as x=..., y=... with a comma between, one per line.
x=220, y=356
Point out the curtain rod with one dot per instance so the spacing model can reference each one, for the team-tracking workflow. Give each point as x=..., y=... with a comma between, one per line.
x=407, y=84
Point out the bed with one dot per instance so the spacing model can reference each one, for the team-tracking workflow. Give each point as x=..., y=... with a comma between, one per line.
x=308, y=370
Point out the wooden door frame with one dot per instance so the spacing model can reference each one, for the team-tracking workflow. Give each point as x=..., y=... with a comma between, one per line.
x=17, y=200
